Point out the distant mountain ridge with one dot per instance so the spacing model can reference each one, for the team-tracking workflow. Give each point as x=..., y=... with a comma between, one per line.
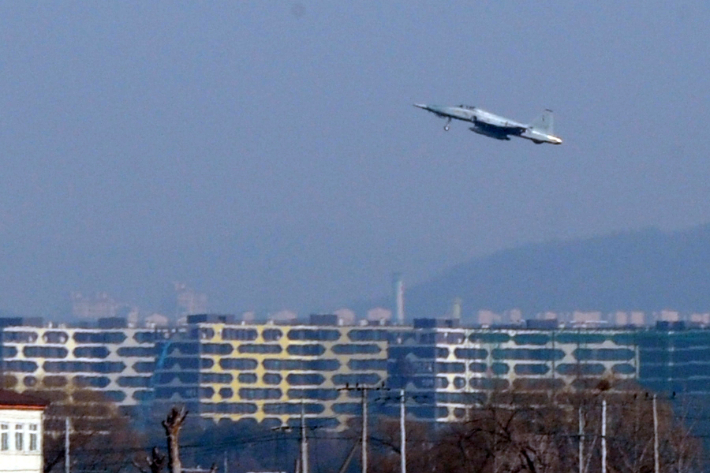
x=645, y=270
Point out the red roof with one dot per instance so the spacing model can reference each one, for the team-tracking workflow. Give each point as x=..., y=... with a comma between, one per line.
x=13, y=400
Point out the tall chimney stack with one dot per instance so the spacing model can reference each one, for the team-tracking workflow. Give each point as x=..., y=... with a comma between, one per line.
x=456, y=309
x=398, y=293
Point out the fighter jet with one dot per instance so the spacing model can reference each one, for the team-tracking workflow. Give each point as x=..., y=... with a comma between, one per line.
x=488, y=124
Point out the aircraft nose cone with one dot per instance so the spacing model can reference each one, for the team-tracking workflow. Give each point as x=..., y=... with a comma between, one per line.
x=421, y=105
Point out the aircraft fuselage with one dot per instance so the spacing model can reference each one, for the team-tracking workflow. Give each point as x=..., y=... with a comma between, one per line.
x=494, y=126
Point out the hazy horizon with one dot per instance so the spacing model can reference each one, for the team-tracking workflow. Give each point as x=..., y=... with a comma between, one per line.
x=268, y=154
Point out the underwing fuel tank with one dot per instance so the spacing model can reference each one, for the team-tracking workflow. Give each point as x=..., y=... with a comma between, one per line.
x=489, y=134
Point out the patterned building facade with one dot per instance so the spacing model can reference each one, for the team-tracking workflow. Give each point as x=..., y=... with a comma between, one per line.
x=270, y=373
x=447, y=369
x=267, y=373
x=117, y=362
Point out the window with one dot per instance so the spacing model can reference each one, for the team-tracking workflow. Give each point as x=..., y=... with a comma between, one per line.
x=99, y=337
x=216, y=378
x=144, y=366
x=243, y=334
x=531, y=369
x=21, y=337
x=301, y=379
x=84, y=366
x=443, y=367
x=604, y=354
x=362, y=335
x=305, y=365
x=471, y=353
x=316, y=335
x=34, y=438
x=92, y=381
x=55, y=337
x=8, y=352
x=217, y=348
x=4, y=437
x=20, y=365
x=238, y=364
x=305, y=350
x=367, y=364
x=248, y=348
x=271, y=334
x=19, y=437
x=536, y=354
x=91, y=352
x=134, y=381
x=353, y=348
x=271, y=378
x=136, y=351
x=44, y=352
x=531, y=339
x=488, y=337
x=317, y=394
x=247, y=378
x=259, y=393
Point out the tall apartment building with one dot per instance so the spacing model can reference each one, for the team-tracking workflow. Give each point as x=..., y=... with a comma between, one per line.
x=269, y=373
x=445, y=369
x=674, y=359
x=118, y=362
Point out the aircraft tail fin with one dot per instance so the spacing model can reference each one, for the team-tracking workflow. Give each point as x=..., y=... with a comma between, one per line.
x=544, y=122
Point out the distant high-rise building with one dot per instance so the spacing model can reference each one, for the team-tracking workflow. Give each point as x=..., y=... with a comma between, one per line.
x=99, y=305
x=189, y=301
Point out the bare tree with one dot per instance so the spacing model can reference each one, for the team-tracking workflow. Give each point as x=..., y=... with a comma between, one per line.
x=539, y=432
x=172, y=425
x=155, y=462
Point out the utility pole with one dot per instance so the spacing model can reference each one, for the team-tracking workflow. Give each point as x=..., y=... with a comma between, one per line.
x=304, y=443
x=67, y=457
x=603, y=435
x=581, y=441
x=656, y=460
x=363, y=390
x=364, y=429
x=403, y=432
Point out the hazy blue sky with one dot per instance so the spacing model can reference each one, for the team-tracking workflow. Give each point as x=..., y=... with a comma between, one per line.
x=268, y=154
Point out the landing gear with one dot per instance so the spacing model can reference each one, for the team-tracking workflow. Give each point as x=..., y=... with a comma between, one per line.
x=446, y=127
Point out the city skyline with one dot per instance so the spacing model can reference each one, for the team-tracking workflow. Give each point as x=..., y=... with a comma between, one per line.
x=273, y=152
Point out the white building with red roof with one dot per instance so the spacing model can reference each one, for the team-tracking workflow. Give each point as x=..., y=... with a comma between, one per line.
x=20, y=433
